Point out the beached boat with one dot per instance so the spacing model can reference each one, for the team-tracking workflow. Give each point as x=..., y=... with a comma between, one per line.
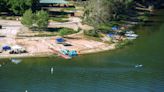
x=131, y=35
x=131, y=38
x=64, y=56
x=129, y=32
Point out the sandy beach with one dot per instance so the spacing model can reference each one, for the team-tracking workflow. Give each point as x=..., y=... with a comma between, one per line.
x=40, y=46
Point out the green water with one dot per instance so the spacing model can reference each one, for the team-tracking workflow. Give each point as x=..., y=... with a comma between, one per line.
x=112, y=71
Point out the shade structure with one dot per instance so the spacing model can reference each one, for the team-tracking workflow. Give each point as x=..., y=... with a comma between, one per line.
x=6, y=47
x=54, y=1
x=59, y=40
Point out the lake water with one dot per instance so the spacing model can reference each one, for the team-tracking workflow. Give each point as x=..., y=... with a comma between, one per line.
x=112, y=71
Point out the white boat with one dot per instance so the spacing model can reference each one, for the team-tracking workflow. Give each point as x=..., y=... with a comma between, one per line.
x=131, y=35
x=129, y=32
x=16, y=61
x=138, y=65
x=131, y=38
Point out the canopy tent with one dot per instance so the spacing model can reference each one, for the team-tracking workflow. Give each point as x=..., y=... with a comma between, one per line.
x=53, y=1
x=59, y=40
x=115, y=28
x=6, y=47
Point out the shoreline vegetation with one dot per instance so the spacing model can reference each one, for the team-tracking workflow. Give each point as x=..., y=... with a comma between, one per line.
x=94, y=30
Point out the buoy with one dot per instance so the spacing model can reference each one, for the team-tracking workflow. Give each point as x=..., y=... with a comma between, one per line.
x=52, y=70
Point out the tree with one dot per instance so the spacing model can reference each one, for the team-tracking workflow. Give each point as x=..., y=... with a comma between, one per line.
x=20, y=6
x=41, y=20
x=28, y=18
x=103, y=11
x=38, y=20
x=3, y=5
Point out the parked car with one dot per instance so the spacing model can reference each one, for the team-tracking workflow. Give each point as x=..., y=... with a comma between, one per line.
x=17, y=50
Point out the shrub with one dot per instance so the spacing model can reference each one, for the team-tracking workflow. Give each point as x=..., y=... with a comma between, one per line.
x=27, y=18
x=38, y=21
x=41, y=20
x=93, y=33
x=123, y=43
x=143, y=18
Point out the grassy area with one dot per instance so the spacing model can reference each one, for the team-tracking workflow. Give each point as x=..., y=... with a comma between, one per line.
x=66, y=31
x=59, y=19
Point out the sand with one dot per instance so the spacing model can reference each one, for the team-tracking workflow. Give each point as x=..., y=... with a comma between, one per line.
x=40, y=46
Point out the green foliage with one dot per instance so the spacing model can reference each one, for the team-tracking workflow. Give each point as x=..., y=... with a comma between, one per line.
x=97, y=12
x=41, y=20
x=59, y=19
x=104, y=28
x=18, y=6
x=3, y=5
x=92, y=33
x=36, y=21
x=66, y=31
x=27, y=18
x=143, y=18
x=123, y=43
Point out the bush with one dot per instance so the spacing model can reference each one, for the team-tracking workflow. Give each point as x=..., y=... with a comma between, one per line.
x=66, y=31
x=41, y=20
x=104, y=28
x=93, y=33
x=123, y=43
x=28, y=19
x=37, y=21
x=143, y=18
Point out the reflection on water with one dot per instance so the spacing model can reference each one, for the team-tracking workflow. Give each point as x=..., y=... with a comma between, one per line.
x=112, y=71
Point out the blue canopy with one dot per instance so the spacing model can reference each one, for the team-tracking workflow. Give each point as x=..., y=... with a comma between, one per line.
x=59, y=40
x=115, y=28
x=110, y=35
x=6, y=47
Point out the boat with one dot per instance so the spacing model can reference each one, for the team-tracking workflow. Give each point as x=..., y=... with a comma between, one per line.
x=16, y=61
x=64, y=56
x=52, y=70
x=129, y=32
x=131, y=38
x=61, y=54
x=138, y=65
x=131, y=35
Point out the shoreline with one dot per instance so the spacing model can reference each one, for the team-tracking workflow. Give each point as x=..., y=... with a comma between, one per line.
x=48, y=54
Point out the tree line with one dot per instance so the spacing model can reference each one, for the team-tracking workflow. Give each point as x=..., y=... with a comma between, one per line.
x=18, y=7
x=103, y=11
